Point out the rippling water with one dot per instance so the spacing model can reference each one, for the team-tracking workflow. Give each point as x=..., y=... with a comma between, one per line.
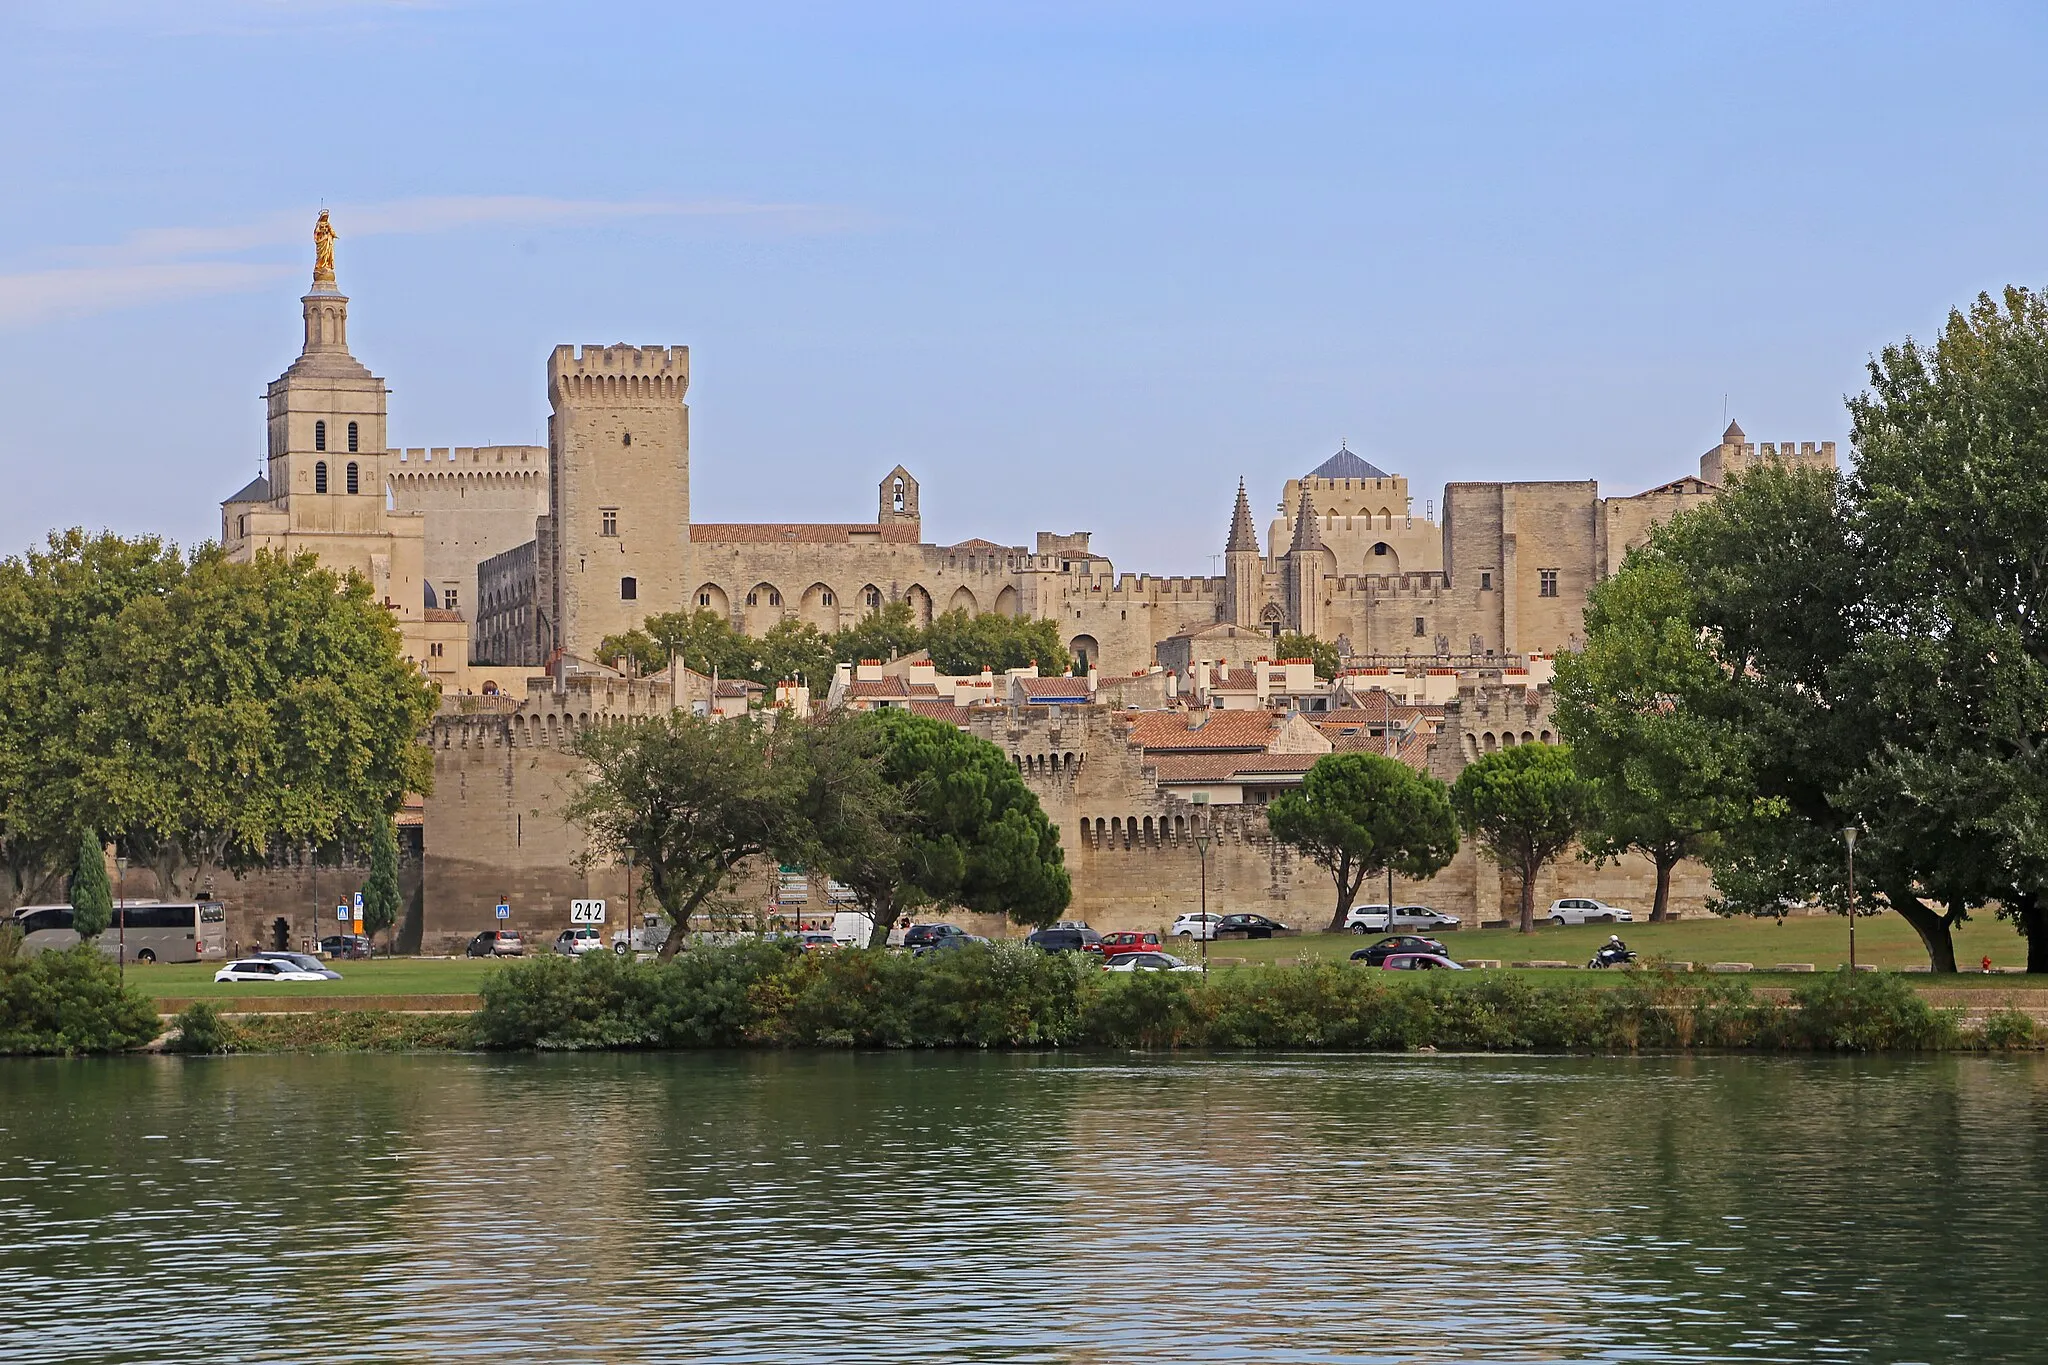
x=1022, y=1208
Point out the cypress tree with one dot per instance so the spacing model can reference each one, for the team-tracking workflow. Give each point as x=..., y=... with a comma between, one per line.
x=380, y=893
x=92, y=900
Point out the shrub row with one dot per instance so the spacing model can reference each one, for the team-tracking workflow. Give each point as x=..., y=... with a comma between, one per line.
x=69, y=1001
x=1005, y=995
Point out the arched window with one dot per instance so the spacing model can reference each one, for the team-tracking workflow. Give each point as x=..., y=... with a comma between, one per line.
x=319, y=435
x=352, y=437
x=625, y=438
x=320, y=476
x=899, y=495
x=629, y=589
x=353, y=485
x=242, y=524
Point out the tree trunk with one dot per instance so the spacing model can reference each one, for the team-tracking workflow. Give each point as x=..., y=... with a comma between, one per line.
x=1529, y=866
x=1347, y=891
x=881, y=919
x=1931, y=925
x=1660, y=908
x=2033, y=924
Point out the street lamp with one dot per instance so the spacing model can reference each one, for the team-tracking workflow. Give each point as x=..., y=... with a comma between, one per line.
x=629, y=903
x=121, y=899
x=1849, y=838
x=1202, y=853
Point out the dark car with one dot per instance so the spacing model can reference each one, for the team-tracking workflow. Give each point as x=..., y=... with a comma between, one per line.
x=928, y=935
x=1251, y=926
x=1376, y=954
x=498, y=943
x=1066, y=940
x=947, y=944
x=345, y=945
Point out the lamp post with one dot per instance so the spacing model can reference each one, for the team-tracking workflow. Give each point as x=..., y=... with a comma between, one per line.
x=1849, y=838
x=1202, y=853
x=121, y=899
x=629, y=903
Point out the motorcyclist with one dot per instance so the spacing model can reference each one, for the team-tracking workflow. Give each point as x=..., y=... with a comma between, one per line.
x=1615, y=946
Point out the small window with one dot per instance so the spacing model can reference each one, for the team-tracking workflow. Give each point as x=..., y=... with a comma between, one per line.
x=609, y=517
x=242, y=524
x=1546, y=582
x=874, y=599
x=319, y=435
x=352, y=437
x=825, y=598
x=774, y=598
x=703, y=599
x=625, y=438
x=629, y=589
x=319, y=476
x=1421, y=627
x=449, y=601
x=353, y=484
x=434, y=649
x=1486, y=580
x=753, y=599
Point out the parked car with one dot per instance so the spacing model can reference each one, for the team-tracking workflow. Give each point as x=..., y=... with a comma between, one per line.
x=305, y=962
x=1066, y=940
x=648, y=938
x=1069, y=924
x=1586, y=910
x=1376, y=954
x=950, y=943
x=1422, y=917
x=345, y=945
x=1128, y=941
x=1147, y=962
x=265, y=969
x=1251, y=926
x=578, y=941
x=1420, y=962
x=1195, y=926
x=498, y=943
x=1369, y=919
x=816, y=940
x=925, y=935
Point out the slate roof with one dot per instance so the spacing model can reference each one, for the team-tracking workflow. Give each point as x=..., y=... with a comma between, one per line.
x=1345, y=465
x=799, y=533
x=256, y=490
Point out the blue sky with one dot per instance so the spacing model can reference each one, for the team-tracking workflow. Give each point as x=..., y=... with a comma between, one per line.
x=1077, y=266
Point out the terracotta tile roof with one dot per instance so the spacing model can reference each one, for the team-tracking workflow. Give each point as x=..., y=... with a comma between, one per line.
x=890, y=689
x=738, y=687
x=807, y=533
x=941, y=710
x=1200, y=731
x=442, y=614
x=1040, y=688
x=978, y=545
x=1234, y=680
x=1182, y=768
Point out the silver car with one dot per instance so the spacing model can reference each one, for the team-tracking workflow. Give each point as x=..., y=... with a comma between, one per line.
x=305, y=962
x=1586, y=910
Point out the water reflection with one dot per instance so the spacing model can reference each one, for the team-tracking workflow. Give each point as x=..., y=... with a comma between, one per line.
x=1037, y=1208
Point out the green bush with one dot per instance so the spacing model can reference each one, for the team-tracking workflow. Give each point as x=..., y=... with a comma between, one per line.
x=199, y=1029
x=70, y=1000
x=1868, y=1012
x=2010, y=1028
x=704, y=998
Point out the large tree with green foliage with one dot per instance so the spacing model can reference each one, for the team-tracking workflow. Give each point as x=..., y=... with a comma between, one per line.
x=1524, y=806
x=961, y=643
x=963, y=829
x=92, y=900
x=887, y=632
x=380, y=892
x=690, y=798
x=1322, y=653
x=1358, y=814
x=1636, y=704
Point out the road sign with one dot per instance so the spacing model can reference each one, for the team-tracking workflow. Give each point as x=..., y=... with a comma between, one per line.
x=359, y=905
x=341, y=913
x=504, y=911
x=586, y=912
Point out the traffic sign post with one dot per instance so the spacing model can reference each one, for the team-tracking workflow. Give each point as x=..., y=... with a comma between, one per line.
x=504, y=910
x=358, y=915
x=341, y=914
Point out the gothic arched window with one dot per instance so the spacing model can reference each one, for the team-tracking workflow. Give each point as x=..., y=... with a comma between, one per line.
x=319, y=435
x=352, y=482
x=320, y=476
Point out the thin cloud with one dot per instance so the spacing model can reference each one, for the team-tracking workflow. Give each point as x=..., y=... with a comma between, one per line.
x=152, y=265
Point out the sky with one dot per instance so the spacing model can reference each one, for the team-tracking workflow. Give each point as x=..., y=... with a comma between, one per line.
x=1077, y=266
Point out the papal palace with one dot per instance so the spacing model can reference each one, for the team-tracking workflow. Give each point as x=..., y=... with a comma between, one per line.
x=505, y=566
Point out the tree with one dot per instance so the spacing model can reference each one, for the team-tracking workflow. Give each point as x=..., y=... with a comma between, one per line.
x=701, y=639
x=886, y=632
x=92, y=901
x=1524, y=806
x=793, y=649
x=690, y=798
x=1324, y=655
x=960, y=643
x=964, y=829
x=253, y=704
x=380, y=892
x=1664, y=778
x=1359, y=814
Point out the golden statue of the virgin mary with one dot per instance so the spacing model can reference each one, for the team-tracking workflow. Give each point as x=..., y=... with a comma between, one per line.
x=323, y=250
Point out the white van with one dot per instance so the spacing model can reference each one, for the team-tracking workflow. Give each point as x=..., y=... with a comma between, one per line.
x=853, y=929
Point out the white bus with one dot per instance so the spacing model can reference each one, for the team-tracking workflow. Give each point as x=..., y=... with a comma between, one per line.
x=185, y=931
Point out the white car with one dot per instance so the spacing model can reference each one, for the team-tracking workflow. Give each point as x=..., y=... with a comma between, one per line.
x=1368, y=919
x=1586, y=910
x=578, y=941
x=1193, y=927
x=266, y=969
x=1147, y=962
x=1422, y=917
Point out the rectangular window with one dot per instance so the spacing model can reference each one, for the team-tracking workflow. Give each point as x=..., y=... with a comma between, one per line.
x=449, y=600
x=434, y=650
x=629, y=589
x=1421, y=627
x=1486, y=580
x=1546, y=580
x=611, y=521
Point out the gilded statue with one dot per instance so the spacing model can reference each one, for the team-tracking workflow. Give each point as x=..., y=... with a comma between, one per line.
x=323, y=248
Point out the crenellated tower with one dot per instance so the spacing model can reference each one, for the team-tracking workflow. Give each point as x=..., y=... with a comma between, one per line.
x=1244, y=576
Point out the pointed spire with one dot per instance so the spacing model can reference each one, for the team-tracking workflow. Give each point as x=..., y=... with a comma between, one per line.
x=1243, y=535
x=1734, y=436
x=1307, y=532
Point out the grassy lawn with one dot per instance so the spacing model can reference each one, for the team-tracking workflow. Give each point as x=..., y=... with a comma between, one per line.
x=398, y=976
x=1822, y=940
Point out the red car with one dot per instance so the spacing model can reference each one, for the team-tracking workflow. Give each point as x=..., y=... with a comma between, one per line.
x=1128, y=941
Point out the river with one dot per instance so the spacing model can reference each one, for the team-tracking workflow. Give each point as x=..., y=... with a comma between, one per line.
x=1091, y=1208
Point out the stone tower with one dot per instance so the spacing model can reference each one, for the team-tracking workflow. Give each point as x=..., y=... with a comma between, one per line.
x=618, y=489
x=1244, y=578
x=1305, y=565
x=898, y=503
x=326, y=420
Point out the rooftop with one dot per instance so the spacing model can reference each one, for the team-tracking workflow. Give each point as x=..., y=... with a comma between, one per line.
x=1345, y=465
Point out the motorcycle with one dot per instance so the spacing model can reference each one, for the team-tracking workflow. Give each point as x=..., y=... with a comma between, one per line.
x=1611, y=957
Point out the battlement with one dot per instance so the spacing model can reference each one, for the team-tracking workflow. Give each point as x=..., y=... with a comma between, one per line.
x=459, y=460
x=621, y=371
